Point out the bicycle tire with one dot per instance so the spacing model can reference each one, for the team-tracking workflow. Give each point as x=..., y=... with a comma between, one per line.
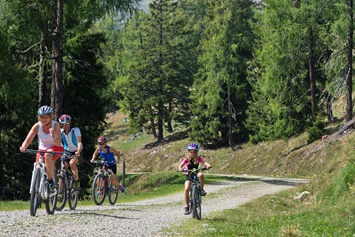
x=198, y=203
x=35, y=195
x=51, y=201
x=98, y=189
x=193, y=198
x=62, y=191
x=112, y=193
x=73, y=199
x=73, y=194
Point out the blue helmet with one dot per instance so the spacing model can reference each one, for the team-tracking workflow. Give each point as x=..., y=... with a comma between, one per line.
x=192, y=146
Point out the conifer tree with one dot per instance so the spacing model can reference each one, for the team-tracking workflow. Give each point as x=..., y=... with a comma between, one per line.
x=220, y=89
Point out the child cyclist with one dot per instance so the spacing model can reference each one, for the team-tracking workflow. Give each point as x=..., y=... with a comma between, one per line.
x=192, y=162
x=108, y=153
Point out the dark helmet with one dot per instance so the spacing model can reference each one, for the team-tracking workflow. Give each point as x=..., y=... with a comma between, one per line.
x=101, y=139
x=64, y=119
x=192, y=146
x=45, y=110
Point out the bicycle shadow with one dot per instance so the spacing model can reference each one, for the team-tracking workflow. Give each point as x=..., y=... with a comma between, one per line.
x=95, y=213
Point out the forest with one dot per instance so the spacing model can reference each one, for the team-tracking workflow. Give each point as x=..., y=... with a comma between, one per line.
x=229, y=71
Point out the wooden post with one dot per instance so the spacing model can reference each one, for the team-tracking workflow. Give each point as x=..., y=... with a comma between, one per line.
x=123, y=172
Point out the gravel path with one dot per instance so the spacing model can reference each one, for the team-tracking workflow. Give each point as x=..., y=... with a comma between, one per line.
x=142, y=218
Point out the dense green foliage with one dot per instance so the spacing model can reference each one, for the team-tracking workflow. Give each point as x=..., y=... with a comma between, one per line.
x=226, y=70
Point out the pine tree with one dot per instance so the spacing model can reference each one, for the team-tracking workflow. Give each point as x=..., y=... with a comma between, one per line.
x=221, y=89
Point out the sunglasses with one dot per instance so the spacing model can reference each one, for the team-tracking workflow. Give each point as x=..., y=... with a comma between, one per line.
x=101, y=143
x=65, y=124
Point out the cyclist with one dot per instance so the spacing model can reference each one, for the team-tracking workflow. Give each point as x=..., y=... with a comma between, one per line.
x=48, y=132
x=189, y=163
x=71, y=140
x=108, y=153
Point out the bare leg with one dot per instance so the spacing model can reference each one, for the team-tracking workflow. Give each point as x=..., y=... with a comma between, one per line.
x=49, y=165
x=74, y=167
x=186, y=192
x=201, y=178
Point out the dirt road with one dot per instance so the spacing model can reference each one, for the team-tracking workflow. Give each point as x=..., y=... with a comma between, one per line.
x=143, y=218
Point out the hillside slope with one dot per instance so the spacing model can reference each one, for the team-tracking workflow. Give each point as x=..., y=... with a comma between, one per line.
x=291, y=158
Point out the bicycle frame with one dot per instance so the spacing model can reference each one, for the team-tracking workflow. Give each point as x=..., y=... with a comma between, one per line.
x=102, y=184
x=40, y=164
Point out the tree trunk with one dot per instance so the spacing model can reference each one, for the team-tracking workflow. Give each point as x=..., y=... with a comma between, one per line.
x=349, y=75
x=230, y=124
x=330, y=115
x=312, y=78
x=160, y=121
x=154, y=132
x=170, y=126
x=57, y=61
x=42, y=82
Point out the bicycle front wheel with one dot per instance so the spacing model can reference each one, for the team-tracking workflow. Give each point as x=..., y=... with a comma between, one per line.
x=73, y=194
x=51, y=201
x=98, y=189
x=198, y=203
x=112, y=193
x=62, y=190
x=35, y=198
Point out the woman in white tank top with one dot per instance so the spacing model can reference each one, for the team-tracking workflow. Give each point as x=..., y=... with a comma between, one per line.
x=49, y=138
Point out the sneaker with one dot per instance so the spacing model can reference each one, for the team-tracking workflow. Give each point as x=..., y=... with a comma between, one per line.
x=186, y=211
x=203, y=192
x=52, y=185
x=120, y=187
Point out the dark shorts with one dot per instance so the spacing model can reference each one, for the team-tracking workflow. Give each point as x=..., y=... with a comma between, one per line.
x=188, y=178
x=113, y=168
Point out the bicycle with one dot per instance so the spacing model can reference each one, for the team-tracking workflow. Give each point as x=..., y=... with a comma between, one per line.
x=39, y=189
x=102, y=184
x=65, y=180
x=195, y=199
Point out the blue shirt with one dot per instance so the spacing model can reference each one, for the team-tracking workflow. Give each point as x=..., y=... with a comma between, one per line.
x=108, y=156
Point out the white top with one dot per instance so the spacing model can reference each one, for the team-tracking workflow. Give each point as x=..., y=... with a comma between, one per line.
x=45, y=140
x=70, y=146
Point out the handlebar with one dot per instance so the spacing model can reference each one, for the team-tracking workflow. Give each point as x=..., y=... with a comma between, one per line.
x=31, y=151
x=196, y=170
x=103, y=162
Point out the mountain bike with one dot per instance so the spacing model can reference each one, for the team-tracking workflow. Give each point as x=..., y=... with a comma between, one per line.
x=40, y=190
x=195, y=199
x=65, y=180
x=102, y=185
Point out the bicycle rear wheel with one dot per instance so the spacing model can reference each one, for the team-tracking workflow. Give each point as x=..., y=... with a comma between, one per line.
x=62, y=190
x=98, y=189
x=51, y=201
x=112, y=193
x=35, y=198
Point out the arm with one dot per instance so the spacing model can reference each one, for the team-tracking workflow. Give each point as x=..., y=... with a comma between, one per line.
x=80, y=146
x=207, y=165
x=181, y=165
x=95, y=154
x=117, y=153
x=55, y=133
x=31, y=134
